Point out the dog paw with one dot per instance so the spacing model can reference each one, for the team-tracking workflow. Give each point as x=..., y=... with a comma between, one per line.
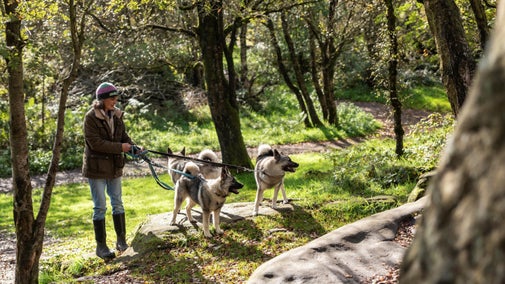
x=285, y=202
x=255, y=214
x=219, y=232
x=207, y=234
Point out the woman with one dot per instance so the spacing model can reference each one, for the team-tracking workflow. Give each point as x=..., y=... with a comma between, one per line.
x=103, y=161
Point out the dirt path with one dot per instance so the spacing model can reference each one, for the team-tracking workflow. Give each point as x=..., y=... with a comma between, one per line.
x=379, y=111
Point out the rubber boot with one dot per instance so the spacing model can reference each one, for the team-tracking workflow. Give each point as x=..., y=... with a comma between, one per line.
x=102, y=250
x=120, y=227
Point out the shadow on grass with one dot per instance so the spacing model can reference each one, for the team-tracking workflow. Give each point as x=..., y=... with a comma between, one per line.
x=185, y=255
x=300, y=221
x=159, y=259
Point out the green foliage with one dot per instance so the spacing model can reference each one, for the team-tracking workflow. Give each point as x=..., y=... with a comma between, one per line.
x=371, y=168
x=279, y=122
x=365, y=60
x=360, y=93
x=40, y=135
x=431, y=98
x=429, y=138
x=374, y=172
x=328, y=190
x=355, y=121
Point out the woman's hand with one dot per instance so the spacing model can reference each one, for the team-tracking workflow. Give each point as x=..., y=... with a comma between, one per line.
x=126, y=147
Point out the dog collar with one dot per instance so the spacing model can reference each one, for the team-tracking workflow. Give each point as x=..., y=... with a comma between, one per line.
x=264, y=172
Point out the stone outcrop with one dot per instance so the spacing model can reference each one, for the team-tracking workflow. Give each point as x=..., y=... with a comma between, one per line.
x=353, y=253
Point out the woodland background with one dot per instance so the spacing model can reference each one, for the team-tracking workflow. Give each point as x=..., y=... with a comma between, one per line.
x=151, y=51
x=167, y=56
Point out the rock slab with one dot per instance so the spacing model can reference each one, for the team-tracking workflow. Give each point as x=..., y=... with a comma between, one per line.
x=350, y=254
x=157, y=226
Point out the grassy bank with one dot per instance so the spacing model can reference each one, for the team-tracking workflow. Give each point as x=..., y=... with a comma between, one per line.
x=329, y=190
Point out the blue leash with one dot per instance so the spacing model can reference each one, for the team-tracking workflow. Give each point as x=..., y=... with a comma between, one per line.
x=136, y=154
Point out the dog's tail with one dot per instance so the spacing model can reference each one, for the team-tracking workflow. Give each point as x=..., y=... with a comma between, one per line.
x=264, y=150
x=191, y=168
x=208, y=155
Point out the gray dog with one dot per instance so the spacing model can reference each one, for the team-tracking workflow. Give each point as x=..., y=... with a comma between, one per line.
x=210, y=195
x=208, y=171
x=176, y=164
x=271, y=166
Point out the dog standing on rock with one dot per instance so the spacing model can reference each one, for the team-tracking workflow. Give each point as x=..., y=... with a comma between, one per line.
x=209, y=194
x=271, y=167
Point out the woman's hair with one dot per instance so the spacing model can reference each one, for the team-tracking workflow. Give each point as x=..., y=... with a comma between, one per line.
x=98, y=104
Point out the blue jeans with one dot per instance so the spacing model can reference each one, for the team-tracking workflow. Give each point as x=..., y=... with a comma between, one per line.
x=114, y=190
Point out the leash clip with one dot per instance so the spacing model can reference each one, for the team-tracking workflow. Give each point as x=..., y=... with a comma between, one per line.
x=136, y=152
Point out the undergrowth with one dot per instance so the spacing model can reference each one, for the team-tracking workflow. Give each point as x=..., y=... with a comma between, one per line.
x=329, y=190
x=279, y=121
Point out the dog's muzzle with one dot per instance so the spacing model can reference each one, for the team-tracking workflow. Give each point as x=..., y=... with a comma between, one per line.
x=291, y=167
x=235, y=187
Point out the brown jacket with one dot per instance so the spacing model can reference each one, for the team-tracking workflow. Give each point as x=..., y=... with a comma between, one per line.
x=103, y=156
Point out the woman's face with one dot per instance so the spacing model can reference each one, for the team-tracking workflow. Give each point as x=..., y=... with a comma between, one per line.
x=110, y=103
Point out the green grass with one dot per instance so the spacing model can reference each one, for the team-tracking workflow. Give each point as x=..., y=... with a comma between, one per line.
x=328, y=190
x=429, y=98
x=279, y=123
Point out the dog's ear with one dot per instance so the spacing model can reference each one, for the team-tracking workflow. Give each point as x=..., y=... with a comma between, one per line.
x=277, y=155
x=183, y=151
x=169, y=151
x=224, y=172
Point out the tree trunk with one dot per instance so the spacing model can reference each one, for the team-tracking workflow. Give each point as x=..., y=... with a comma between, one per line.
x=393, y=71
x=457, y=63
x=30, y=231
x=284, y=73
x=77, y=37
x=27, y=250
x=244, y=68
x=314, y=72
x=220, y=93
x=460, y=238
x=329, y=94
x=481, y=19
x=329, y=51
x=330, y=55
x=314, y=118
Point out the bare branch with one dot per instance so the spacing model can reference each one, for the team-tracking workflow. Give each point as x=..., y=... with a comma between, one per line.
x=100, y=23
x=289, y=7
x=170, y=29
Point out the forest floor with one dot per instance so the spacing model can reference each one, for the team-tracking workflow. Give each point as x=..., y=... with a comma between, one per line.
x=380, y=112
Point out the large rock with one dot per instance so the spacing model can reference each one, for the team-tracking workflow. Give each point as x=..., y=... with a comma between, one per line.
x=353, y=253
x=149, y=234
